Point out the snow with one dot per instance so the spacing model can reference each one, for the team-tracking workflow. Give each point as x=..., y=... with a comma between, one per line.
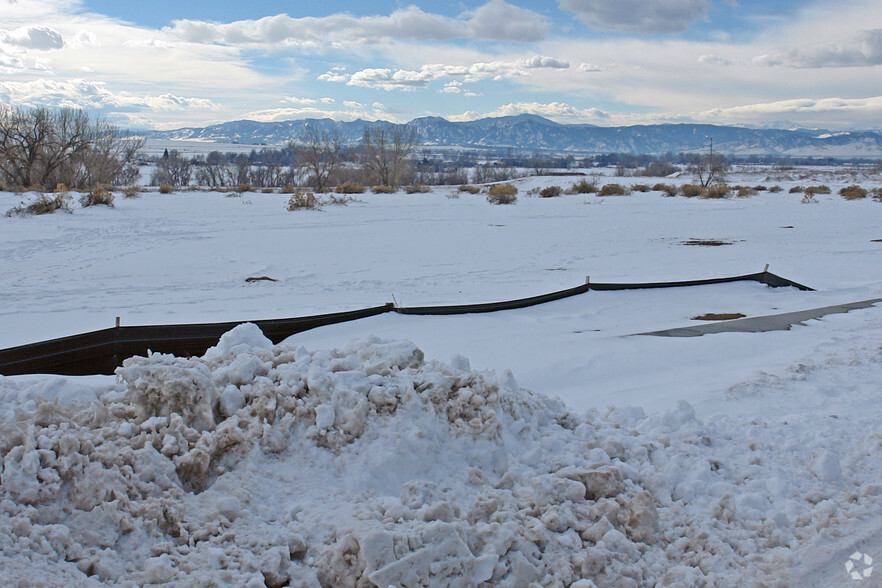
x=551, y=444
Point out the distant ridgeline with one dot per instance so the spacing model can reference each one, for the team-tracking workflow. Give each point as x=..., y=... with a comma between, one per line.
x=530, y=132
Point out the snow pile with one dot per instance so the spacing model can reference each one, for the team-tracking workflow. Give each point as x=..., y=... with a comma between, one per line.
x=261, y=464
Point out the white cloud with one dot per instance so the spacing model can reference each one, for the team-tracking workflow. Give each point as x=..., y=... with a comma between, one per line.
x=711, y=59
x=41, y=38
x=638, y=16
x=556, y=111
x=84, y=38
x=810, y=109
x=501, y=21
x=496, y=20
x=79, y=93
x=351, y=111
x=863, y=50
x=403, y=79
x=591, y=68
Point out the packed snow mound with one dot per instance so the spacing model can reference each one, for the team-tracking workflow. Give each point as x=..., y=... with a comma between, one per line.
x=261, y=464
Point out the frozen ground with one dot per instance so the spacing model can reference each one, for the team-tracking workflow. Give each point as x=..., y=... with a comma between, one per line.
x=350, y=456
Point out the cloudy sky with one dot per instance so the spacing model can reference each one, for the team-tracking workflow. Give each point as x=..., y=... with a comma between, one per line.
x=172, y=63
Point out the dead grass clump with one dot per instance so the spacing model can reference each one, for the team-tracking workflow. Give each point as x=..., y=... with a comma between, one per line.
x=304, y=201
x=288, y=189
x=716, y=191
x=583, y=187
x=550, y=192
x=640, y=188
x=775, y=189
x=43, y=204
x=382, y=189
x=132, y=192
x=796, y=190
x=613, y=190
x=98, y=196
x=243, y=187
x=691, y=190
x=350, y=188
x=745, y=191
x=818, y=189
x=502, y=194
x=417, y=189
x=853, y=193
x=469, y=189
x=668, y=189
x=166, y=189
x=876, y=194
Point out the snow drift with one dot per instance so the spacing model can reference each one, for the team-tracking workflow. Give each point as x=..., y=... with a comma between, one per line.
x=261, y=464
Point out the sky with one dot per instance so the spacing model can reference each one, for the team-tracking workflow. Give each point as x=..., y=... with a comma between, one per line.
x=163, y=64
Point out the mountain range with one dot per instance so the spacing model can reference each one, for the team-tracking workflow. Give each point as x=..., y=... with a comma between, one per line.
x=535, y=133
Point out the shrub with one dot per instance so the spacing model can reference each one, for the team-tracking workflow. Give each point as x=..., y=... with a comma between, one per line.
x=775, y=189
x=335, y=200
x=669, y=189
x=268, y=191
x=381, y=189
x=42, y=205
x=100, y=195
x=583, y=187
x=809, y=198
x=796, y=190
x=746, y=191
x=417, y=189
x=243, y=187
x=817, y=190
x=691, y=190
x=469, y=189
x=132, y=192
x=853, y=193
x=716, y=191
x=304, y=201
x=350, y=188
x=876, y=194
x=166, y=189
x=502, y=194
x=659, y=169
x=612, y=190
x=640, y=188
x=549, y=192
x=288, y=189
x=761, y=188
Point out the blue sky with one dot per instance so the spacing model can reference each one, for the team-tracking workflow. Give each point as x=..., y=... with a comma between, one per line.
x=164, y=64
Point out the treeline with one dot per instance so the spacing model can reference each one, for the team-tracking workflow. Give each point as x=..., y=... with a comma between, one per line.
x=42, y=149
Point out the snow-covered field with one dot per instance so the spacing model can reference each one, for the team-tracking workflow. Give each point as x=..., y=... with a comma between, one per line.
x=552, y=444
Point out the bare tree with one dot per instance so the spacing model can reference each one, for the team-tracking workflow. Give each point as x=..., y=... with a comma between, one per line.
x=173, y=170
x=41, y=148
x=319, y=154
x=109, y=158
x=385, y=152
x=709, y=168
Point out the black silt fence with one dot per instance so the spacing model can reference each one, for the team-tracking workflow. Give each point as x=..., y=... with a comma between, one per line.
x=101, y=352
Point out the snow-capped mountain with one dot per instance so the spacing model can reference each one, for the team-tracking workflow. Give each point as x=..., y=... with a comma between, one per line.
x=531, y=132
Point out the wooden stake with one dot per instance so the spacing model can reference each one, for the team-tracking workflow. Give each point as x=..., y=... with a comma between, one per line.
x=766, y=268
x=117, y=322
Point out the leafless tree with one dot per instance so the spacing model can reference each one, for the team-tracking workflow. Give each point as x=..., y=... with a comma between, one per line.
x=385, y=153
x=709, y=168
x=319, y=154
x=173, y=170
x=213, y=170
x=41, y=148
